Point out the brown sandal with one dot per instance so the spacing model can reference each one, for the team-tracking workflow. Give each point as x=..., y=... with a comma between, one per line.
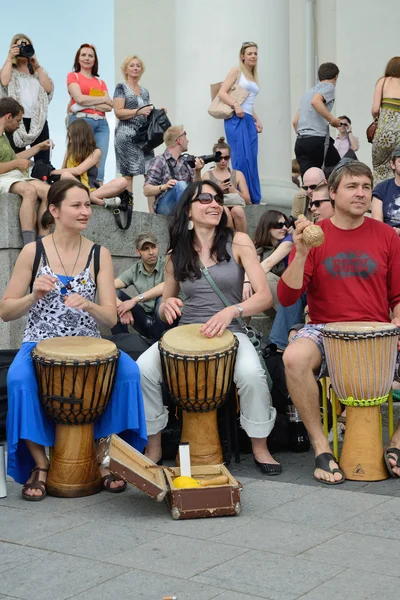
x=107, y=480
x=35, y=484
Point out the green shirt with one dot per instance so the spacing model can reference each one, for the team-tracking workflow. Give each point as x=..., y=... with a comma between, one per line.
x=143, y=281
x=7, y=154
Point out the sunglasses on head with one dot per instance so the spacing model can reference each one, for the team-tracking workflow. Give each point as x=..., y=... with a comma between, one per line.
x=208, y=198
x=313, y=186
x=317, y=203
x=280, y=225
x=249, y=44
x=180, y=135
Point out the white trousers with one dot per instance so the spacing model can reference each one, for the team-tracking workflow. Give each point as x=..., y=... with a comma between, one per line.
x=257, y=416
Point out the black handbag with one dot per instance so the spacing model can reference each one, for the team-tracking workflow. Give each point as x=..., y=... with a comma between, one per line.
x=43, y=169
x=151, y=134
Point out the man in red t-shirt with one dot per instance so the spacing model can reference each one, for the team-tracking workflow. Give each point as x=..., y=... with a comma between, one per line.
x=353, y=276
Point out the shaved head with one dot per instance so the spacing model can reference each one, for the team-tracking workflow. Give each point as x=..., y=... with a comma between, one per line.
x=313, y=176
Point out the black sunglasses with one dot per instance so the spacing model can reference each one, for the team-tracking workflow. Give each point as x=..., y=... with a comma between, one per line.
x=313, y=186
x=317, y=203
x=280, y=225
x=249, y=44
x=228, y=157
x=180, y=135
x=208, y=198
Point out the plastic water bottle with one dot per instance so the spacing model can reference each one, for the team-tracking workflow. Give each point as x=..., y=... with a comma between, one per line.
x=298, y=436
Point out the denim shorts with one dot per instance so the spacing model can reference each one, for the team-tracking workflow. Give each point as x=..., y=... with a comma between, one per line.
x=314, y=333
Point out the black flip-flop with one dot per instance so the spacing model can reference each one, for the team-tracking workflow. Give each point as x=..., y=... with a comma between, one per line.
x=386, y=456
x=322, y=462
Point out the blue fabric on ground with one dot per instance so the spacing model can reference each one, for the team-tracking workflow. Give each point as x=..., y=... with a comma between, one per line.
x=26, y=419
x=242, y=138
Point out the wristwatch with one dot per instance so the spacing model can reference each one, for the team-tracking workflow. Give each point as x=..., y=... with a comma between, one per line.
x=140, y=297
x=240, y=309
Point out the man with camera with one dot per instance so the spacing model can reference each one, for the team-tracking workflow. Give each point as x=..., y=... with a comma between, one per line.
x=14, y=172
x=171, y=172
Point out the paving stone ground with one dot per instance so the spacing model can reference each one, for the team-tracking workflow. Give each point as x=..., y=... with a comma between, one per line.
x=295, y=539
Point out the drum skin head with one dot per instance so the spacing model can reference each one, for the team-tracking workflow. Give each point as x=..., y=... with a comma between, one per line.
x=188, y=340
x=359, y=327
x=75, y=348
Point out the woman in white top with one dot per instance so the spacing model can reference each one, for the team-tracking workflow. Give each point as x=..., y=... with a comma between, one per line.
x=242, y=128
x=26, y=81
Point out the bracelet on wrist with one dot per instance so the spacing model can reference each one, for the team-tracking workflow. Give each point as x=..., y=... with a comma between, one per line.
x=247, y=281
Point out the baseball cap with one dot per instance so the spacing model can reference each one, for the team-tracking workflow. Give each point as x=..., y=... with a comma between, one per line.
x=396, y=152
x=146, y=237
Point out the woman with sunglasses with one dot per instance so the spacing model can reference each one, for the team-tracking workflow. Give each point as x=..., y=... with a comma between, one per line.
x=233, y=184
x=90, y=100
x=63, y=302
x=242, y=128
x=273, y=244
x=199, y=235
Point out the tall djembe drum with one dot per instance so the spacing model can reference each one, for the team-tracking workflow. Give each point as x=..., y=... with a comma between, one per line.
x=361, y=359
x=198, y=373
x=75, y=378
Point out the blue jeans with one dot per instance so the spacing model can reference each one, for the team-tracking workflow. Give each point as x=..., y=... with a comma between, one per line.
x=168, y=202
x=285, y=318
x=102, y=136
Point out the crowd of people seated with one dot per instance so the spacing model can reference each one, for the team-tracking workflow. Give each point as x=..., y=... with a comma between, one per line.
x=275, y=270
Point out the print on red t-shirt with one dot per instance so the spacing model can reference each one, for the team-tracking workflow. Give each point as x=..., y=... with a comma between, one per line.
x=353, y=276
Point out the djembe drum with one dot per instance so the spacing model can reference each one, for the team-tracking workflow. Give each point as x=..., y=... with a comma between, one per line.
x=361, y=359
x=75, y=378
x=198, y=373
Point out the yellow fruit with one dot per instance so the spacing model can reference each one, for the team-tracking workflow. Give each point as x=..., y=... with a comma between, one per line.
x=185, y=482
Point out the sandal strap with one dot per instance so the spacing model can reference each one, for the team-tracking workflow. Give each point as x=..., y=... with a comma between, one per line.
x=108, y=479
x=38, y=485
x=322, y=462
x=38, y=469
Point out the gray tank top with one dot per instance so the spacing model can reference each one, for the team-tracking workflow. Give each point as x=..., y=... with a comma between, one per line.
x=200, y=300
x=218, y=181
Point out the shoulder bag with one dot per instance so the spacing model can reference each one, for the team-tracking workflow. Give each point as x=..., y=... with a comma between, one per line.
x=372, y=127
x=220, y=110
x=253, y=334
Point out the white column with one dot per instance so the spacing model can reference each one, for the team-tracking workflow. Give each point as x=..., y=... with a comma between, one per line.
x=273, y=103
x=208, y=40
x=193, y=44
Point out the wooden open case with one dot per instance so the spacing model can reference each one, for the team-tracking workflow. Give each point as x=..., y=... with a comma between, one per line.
x=157, y=482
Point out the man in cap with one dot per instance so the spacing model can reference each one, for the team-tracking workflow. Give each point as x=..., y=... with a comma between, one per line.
x=147, y=276
x=386, y=196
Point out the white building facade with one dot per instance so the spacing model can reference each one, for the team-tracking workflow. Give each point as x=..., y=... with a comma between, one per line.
x=188, y=44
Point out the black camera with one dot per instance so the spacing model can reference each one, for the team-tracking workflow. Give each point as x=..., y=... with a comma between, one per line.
x=26, y=50
x=290, y=222
x=207, y=158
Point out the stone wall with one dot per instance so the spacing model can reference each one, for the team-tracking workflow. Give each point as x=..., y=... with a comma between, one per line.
x=102, y=230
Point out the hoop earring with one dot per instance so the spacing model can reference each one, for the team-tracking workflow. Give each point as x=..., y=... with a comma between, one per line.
x=190, y=225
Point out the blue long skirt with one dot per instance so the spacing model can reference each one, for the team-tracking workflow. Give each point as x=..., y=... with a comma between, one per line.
x=26, y=419
x=242, y=137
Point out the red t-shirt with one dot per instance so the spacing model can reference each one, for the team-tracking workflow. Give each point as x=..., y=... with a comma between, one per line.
x=353, y=276
x=90, y=86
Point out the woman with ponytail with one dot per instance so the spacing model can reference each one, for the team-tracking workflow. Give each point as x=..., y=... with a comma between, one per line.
x=64, y=271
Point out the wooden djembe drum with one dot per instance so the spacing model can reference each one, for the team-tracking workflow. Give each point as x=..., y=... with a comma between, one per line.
x=361, y=359
x=198, y=373
x=75, y=378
